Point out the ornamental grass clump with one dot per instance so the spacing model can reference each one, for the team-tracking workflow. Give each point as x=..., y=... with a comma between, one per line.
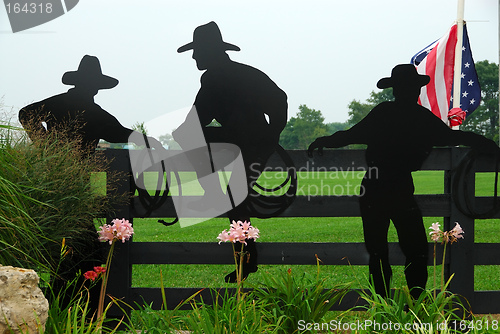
x=402, y=314
x=230, y=313
x=51, y=191
x=291, y=298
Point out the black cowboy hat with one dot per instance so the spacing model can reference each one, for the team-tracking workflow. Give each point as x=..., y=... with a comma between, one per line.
x=208, y=36
x=89, y=74
x=404, y=75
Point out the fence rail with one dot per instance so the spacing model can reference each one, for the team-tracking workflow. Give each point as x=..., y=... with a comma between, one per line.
x=460, y=259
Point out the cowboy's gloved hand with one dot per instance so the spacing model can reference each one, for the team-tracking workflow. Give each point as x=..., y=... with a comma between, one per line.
x=319, y=143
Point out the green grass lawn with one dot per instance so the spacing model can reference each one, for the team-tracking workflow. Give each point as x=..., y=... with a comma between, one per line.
x=323, y=229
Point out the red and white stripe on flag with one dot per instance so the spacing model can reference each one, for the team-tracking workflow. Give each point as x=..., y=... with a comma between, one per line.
x=438, y=64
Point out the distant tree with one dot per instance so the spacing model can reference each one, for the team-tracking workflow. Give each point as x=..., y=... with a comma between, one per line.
x=336, y=126
x=302, y=130
x=168, y=141
x=140, y=127
x=382, y=96
x=484, y=120
x=288, y=139
x=358, y=110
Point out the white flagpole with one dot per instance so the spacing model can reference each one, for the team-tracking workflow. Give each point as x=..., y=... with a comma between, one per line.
x=457, y=72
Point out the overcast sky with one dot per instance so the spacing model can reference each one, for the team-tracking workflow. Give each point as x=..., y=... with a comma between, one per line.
x=321, y=53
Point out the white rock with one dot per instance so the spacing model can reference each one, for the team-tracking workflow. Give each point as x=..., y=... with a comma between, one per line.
x=23, y=307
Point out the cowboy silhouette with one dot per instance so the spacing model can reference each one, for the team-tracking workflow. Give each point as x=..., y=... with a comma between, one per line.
x=399, y=136
x=250, y=108
x=76, y=114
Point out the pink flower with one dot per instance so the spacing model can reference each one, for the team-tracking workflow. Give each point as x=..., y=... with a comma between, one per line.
x=92, y=275
x=239, y=231
x=223, y=236
x=123, y=229
x=457, y=231
x=436, y=232
x=435, y=227
x=446, y=237
x=106, y=233
x=253, y=233
x=234, y=225
x=120, y=229
x=246, y=225
x=231, y=238
x=239, y=234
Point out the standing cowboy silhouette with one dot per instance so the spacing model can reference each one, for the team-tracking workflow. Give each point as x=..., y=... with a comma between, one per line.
x=400, y=136
x=249, y=106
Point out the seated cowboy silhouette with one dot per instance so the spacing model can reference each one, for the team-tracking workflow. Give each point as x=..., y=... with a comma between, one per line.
x=399, y=136
x=80, y=119
x=250, y=108
x=75, y=113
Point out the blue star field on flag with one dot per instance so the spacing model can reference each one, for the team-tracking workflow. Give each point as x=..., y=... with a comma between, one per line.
x=470, y=91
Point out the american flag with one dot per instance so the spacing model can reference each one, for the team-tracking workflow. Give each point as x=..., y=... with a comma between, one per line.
x=437, y=60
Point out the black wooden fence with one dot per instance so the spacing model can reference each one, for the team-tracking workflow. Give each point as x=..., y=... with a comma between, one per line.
x=461, y=257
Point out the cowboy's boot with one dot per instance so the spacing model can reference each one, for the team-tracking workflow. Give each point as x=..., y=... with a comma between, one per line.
x=249, y=262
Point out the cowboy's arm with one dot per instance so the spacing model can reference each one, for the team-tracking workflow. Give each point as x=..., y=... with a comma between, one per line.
x=336, y=140
x=476, y=142
x=114, y=132
x=141, y=139
x=31, y=118
x=442, y=135
x=358, y=134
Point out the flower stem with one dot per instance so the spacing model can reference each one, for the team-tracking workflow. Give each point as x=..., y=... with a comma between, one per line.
x=434, y=255
x=239, y=271
x=442, y=267
x=235, y=257
x=104, y=282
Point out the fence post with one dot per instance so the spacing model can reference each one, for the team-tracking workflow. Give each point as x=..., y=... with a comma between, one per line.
x=120, y=273
x=461, y=254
